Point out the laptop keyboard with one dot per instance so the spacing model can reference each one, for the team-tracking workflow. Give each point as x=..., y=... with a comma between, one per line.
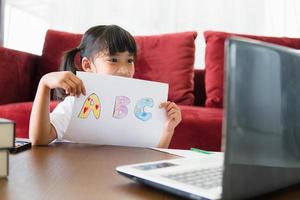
x=202, y=178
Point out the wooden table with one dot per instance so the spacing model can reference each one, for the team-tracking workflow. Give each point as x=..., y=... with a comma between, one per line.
x=76, y=171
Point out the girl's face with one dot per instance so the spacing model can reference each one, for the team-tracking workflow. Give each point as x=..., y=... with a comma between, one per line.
x=121, y=64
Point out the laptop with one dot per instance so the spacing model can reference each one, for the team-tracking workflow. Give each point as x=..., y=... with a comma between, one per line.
x=261, y=131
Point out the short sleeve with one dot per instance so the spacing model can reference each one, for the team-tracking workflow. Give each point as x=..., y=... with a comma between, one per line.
x=61, y=116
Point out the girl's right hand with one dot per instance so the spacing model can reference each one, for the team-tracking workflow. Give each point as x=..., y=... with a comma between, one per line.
x=65, y=80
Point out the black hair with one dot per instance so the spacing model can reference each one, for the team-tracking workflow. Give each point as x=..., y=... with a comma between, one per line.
x=110, y=38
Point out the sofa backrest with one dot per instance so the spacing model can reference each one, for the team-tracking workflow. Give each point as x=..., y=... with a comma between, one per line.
x=165, y=58
x=214, y=61
x=17, y=70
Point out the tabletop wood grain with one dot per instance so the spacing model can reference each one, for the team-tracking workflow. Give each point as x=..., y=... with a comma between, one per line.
x=77, y=171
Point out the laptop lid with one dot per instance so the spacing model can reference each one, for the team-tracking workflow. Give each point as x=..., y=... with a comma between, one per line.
x=262, y=118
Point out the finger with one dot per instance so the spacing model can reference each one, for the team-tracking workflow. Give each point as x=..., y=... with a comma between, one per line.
x=83, y=88
x=66, y=87
x=79, y=85
x=70, y=78
x=72, y=87
x=171, y=105
x=172, y=111
x=79, y=88
x=164, y=104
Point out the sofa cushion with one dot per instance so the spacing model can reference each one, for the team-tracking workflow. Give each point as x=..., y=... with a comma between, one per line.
x=17, y=71
x=214, y=61
x=200, y=127
x=166, y=58
x=20, y=113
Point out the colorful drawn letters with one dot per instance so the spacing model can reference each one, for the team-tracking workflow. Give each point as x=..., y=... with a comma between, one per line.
x=139, y=111
x=92, y=103
x=120, y=109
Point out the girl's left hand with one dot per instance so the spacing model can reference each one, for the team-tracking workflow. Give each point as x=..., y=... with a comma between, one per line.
x=173, y=115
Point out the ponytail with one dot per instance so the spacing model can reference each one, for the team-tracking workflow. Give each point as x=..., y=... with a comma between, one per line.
x=67, y=64
x=68, y=60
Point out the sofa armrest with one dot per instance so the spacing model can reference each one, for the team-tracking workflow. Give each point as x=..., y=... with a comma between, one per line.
x=199, y=87
x=17, y=75
x=22, y=116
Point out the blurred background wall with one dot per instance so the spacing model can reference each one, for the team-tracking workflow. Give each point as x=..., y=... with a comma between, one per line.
x=26, y=21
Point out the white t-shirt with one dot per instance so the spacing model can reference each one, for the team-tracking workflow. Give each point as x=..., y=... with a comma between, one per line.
x=60, y=117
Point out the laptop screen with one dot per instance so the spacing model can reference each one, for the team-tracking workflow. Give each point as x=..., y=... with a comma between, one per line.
x=262, y=118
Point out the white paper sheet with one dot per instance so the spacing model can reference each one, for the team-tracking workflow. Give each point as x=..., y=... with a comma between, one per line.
x=188, y=153
x=138, y=126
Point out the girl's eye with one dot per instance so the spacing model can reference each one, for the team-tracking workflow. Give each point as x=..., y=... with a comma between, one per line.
x=113, y=60
x=130, y=61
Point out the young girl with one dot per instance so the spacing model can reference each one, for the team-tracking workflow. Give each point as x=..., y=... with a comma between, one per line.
x=103, y=50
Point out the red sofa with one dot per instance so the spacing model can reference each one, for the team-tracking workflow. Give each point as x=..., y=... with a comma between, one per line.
x=166, y=58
